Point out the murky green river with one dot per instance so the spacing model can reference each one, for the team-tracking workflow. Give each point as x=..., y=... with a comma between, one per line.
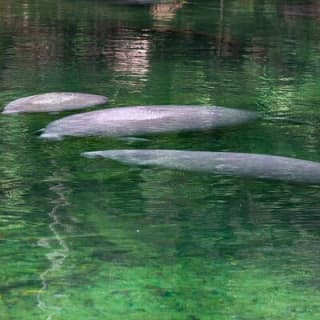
x=90, y=239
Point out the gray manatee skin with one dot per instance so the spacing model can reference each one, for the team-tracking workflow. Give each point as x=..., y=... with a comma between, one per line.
x=54, y=102
x=222, y=163
x=139, y=120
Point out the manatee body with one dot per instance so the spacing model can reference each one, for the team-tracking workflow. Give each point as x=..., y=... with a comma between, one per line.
x=53, y=102
x=223, y=163
x=139, y=120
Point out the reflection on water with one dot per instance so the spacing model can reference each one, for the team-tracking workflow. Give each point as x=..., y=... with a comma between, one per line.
x=55, y=257
x=304, y=10
x=163, y=13
x=111, y=241
x=129, y=57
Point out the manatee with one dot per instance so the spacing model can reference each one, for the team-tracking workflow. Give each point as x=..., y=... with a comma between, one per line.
x=140, y=120
x=53, y=102
x=221, y=163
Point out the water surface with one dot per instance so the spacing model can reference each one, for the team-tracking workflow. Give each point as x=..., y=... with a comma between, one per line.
x=94, y=239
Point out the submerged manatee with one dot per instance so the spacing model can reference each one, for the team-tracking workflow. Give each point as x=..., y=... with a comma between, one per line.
x=223, y=163
x=139, y=120
x=54, y=101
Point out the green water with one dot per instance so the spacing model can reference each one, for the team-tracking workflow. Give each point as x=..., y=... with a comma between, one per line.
x=94, y=239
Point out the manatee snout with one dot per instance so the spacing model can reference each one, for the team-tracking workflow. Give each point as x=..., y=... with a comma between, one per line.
x=49, y=136
x=91, y=155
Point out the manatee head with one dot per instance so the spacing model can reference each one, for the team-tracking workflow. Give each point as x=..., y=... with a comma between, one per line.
x=139, y=157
